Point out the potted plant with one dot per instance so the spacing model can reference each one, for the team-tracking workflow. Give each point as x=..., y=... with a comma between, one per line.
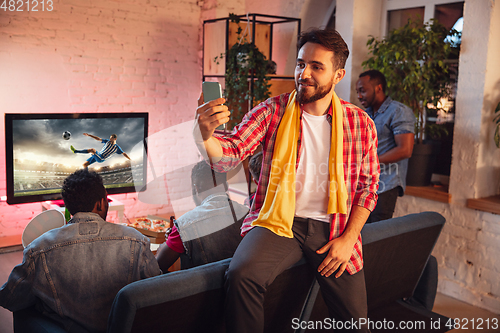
x=497, y=129
x=245, y=66
x=414, y=60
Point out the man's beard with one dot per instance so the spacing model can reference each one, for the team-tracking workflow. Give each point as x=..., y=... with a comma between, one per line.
x=368, y=101
x=319, y=93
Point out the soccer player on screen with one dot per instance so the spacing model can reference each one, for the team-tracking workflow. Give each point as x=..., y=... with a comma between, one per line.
x=110, y=147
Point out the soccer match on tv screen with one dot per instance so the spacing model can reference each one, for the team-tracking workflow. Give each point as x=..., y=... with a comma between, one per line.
x=46, y=151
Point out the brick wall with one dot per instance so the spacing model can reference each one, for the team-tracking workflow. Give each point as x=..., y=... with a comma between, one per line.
x=466, y=251
x=114, y=56
x=103, y=56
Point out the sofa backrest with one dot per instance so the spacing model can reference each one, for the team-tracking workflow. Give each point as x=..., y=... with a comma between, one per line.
x=192, y=300
x=174, y=301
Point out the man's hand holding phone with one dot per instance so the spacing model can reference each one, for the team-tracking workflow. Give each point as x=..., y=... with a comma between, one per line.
x=211, y=113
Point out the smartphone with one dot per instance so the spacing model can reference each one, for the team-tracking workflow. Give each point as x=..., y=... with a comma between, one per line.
x=211, y=91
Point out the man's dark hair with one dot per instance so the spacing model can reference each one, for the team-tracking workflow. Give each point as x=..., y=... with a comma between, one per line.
x=204, y=178
x=255, y=165
x=114, y=136
x=331, y=40
x=376, y=78
x=81, y=190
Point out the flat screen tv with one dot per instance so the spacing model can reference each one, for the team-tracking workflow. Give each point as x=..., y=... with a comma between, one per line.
x=43, y=149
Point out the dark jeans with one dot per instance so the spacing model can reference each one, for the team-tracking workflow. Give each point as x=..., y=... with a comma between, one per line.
x=263, y=255
x=385, y=206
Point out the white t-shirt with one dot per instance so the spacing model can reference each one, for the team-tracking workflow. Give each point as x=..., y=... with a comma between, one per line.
x=312, y=179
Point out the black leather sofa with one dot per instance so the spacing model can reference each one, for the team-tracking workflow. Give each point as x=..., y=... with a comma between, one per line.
x=395, y=254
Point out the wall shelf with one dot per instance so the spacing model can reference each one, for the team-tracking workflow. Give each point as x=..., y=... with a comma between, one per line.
x=488, y=204
x=219, y=35
x=269, y=34
x=435, y=193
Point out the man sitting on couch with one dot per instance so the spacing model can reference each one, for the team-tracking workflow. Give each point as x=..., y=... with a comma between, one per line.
x=73, y=273
x=211, y=231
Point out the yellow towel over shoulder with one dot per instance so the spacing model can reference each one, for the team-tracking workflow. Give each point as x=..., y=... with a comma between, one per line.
x=278, y=209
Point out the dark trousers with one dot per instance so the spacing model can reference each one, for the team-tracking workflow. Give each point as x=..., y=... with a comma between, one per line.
x=263, y=255
x=385, y=206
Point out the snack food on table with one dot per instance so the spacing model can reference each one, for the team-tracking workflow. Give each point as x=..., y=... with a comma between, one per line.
x=150, y=224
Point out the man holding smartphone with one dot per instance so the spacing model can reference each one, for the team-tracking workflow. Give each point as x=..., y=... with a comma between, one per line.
x=317, y=187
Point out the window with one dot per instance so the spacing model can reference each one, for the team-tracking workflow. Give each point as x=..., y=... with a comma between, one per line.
x=398, y=18
x=331, y=21
x=451, y=16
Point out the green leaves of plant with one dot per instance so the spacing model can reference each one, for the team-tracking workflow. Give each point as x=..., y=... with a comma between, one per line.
x=413, y=60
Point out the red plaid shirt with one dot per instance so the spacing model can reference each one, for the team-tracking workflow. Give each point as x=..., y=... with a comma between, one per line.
x=361, y=166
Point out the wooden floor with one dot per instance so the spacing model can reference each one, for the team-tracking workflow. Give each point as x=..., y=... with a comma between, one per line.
x=467, y=317
x=444, y=305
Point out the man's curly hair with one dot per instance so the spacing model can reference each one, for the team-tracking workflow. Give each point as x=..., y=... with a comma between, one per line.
x=81, y=190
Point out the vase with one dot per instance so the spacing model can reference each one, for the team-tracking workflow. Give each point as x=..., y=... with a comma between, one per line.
x=421, y=164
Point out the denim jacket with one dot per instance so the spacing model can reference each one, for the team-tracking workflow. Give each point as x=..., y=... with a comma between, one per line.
x=73, y=273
